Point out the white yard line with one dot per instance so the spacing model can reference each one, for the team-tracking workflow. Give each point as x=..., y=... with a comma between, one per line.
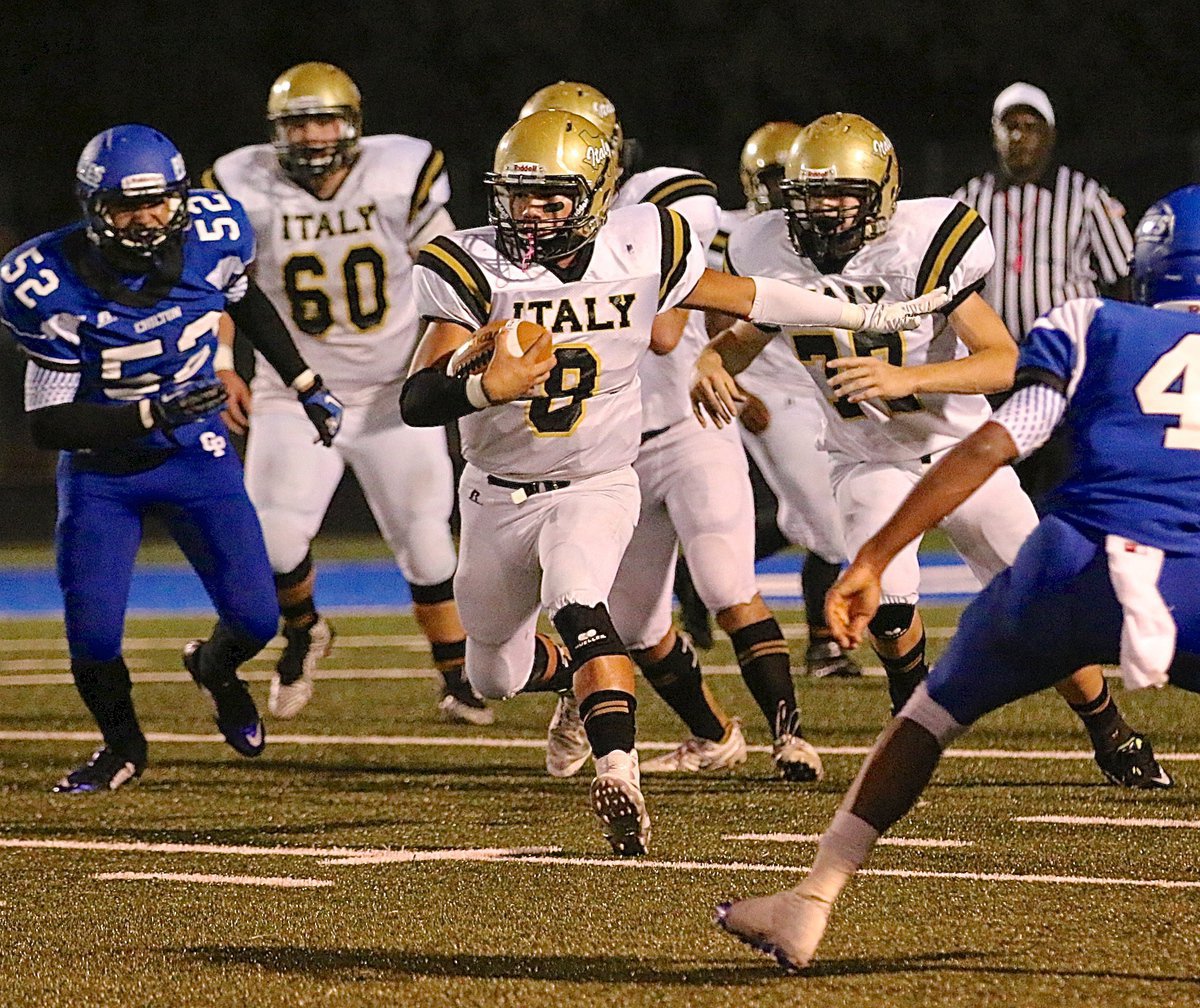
x=350, y=857
x=814, y=837
x=256, y=880
x=1066, y=820
x=249, y=675
x=483, y=742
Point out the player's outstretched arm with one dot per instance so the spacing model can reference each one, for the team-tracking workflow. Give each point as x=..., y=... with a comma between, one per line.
x=852, y=601
x=777, y=302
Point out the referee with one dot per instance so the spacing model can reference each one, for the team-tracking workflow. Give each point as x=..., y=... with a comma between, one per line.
x=1058, y=234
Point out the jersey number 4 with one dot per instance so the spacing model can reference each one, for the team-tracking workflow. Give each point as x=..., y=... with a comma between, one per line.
x=1172, y=388
x=363, y=273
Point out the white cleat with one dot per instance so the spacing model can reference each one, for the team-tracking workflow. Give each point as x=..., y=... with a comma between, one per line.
x=459, y=709
x=617, y=800
x=567, y=745
x=788, y=926
x=698, y=755
x=796, y=760
x=292, y=683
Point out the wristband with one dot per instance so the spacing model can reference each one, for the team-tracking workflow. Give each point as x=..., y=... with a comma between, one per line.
x=304, y=380
x=476, y=395
x=223, y=358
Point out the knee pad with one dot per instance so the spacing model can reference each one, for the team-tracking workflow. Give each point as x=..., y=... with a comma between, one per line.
x=892, y=620
x=587, y=632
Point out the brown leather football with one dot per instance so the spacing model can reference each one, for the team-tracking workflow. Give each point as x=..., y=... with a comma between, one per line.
x=474, y=355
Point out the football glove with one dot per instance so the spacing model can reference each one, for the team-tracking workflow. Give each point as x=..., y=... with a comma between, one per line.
x=191, y=400
x=323, y=409
x=903, y=314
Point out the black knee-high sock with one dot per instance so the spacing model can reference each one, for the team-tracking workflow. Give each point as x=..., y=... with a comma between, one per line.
x=106, y=690
x=676, y=678
x=223, y=652
x=552, y=671
x=816, y=578
x=904, y=674
x=1103, y=721
x=766, y=664
x=608, y=718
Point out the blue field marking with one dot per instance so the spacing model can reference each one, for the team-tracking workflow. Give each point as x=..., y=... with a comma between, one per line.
x=376, y=584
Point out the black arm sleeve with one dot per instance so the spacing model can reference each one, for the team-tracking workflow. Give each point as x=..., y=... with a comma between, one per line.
x=257, y=319
x=68, y=426
x=431, y=398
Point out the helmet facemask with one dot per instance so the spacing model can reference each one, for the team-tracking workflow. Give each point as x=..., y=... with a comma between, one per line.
x=824, y=230
x=525, y=238
x=134, y=242
x=305, y=161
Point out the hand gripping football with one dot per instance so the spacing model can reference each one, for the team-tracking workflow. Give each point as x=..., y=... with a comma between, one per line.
x=474, y=355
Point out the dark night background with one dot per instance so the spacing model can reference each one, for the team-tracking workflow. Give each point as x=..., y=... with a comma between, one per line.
x=690, y=79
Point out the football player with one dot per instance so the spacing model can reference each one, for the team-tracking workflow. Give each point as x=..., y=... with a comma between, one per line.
x=1108, y=576
x=780, y=421
x=695, y=493
x=549, y=498
x=894, y=404
x=118, y=315
x=340, y=217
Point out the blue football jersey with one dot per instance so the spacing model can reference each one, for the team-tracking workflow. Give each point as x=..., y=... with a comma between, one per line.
x=1131, y=375
x=130, y=337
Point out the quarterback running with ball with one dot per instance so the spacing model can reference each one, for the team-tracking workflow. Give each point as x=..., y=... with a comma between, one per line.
x=549, y=498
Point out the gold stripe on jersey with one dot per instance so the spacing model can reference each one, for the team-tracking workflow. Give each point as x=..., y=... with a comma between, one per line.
x=460, y=271
x=726, y=261
x=208, y=179
x=434, y=166
x=955, y=236
x=668, y=192
x=676, y=241
x=720, y=244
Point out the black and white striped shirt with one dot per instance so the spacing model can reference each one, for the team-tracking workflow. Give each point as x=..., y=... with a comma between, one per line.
x=1054, y=239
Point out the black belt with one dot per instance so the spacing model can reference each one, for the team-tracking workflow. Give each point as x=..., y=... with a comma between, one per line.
x=538, y=486
x=651, y=434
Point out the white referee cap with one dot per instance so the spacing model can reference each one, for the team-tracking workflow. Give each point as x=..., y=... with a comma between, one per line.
x=1021, y=93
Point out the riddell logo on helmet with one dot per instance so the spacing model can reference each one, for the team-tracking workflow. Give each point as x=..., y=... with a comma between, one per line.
x=526, y=168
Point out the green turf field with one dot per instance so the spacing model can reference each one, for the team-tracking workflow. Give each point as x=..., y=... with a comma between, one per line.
x=421, y=868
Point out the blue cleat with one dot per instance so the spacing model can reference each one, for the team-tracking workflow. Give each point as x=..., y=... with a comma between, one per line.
x=105, y=771
x=236, y=716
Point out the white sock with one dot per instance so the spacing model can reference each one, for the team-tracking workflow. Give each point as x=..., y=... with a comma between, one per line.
x=843, y=849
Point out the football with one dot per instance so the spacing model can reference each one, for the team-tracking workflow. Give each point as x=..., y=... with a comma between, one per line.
x=474, y=355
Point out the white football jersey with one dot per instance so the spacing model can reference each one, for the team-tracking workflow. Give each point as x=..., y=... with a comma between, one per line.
x=643, y=261
x=339, y=271
x=665, y=378
x=930, y=243
x=777, y=363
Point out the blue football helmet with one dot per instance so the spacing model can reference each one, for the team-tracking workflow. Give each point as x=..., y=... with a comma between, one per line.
x=126, y=167
x=1166, y=251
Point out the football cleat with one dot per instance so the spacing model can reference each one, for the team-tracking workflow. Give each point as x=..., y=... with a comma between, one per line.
x=788, y=926
x=236, y=716
x=460, y=703
x=698, y=755
x=292, y=683
x=105, y=771
x=567, y=745
x=1132, y=764
x=616, y=796
x=794, y=758
x=826, y=659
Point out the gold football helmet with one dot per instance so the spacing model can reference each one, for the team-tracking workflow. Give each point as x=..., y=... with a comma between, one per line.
x=544, y=158
x=314, y=91
x=586, y=101
x=839, y=187
x=763, y=158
